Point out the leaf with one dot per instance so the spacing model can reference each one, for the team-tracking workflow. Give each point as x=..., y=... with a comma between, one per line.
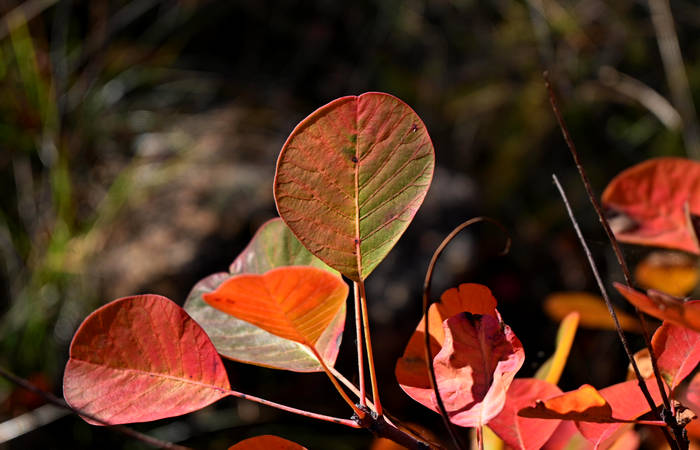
x=272, y=246
x=353, y=173
x=296, y=303
x=592, y=310
x=585, y=403
x=266, y=442
x=552, y=369
x=241, y=341
x=677, y=350
x=664, y=306
x=142, y=358
x=655, y=198
x=627, y=403
x=475, y=367
x=411, y=370
x=670, y=272
x=567, y=437
x=521, y=432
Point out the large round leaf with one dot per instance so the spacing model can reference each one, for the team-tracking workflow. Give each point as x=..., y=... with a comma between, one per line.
x=142, y=358
x=273, y=246
x=353, y=174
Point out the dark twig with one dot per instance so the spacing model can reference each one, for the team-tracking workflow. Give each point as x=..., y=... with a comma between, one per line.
x=61, y=403
x=670, y=418
x=426, y=310
x=611, y=310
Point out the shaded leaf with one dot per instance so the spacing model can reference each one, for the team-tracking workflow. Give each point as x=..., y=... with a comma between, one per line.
x=627, y=402
x=592, y=310
x=643, y=360
x=521, y=432
x=272, y=246
x=242, y=341
x=266, y=442
x=663, y=306
x=475, y=367
x=142, y=358
x=677, y=350
x=552, y=369
x=296, y=303
x=411, y=371
x=670, y=272
x=656, y=198
x=567, y=437
x=353, y=173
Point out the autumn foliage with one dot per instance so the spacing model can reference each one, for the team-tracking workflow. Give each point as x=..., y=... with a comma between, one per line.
x=349, y=180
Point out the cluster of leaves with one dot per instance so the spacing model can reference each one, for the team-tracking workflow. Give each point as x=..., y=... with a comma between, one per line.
x=349, y=180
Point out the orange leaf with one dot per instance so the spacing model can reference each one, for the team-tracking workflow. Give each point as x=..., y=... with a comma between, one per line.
x=592, y=310
x=664, y=306
x=411, y=371
x=266, y=442
x=296, y=303
x=670, y=272
x=552, y=369
x=585, y=403
x=657, y=199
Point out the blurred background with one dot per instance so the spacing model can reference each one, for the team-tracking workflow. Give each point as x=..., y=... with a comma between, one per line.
x=138, y=142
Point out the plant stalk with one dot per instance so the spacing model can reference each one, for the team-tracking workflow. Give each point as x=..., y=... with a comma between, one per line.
x=370, y=355
x=360, y=350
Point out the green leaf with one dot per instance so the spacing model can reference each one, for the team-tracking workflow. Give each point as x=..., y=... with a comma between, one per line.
x=353, y=174
x=272, y=246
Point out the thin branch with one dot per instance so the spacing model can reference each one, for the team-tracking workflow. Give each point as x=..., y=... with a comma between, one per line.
x=360, y=413
x=426, y=311
x=670, y=418
x=611, y=310
x=360, y=351
x=368, y=345
x=61, y=403
x=670, y=49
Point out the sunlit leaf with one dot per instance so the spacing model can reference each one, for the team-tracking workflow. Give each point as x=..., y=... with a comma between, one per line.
x=592, y=310
x=411, y=370
x=627, y=403
x=242, y=341
x=273, y=246
x=670, y=272
x=657, y=199
x=677, y=351
x=552, y=369
x=142, y=358
x=475, y=367
x=266, y=442
x=585, y=403
x=521, y=432
x=353, y=174
x=664, y=306
x=567, y=437
x=296, y=302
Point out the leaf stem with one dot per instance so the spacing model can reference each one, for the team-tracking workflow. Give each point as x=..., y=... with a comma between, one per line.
x=480, y=437
x=359, y=341
x=368, y=344
x=426, y=310
x=360, y=413
x=611, y=310
x=677, y=429
x=62, y=403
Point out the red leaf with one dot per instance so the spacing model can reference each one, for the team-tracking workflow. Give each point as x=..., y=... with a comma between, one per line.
x=350, y=178
x=663, y=306
x=411, y=371
x=677, y=350
x=142, y=358
x=627, y=403
x=475, y=367
x=655, y=198
x=521, y=432
x=266, y=442
x=296, y=302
